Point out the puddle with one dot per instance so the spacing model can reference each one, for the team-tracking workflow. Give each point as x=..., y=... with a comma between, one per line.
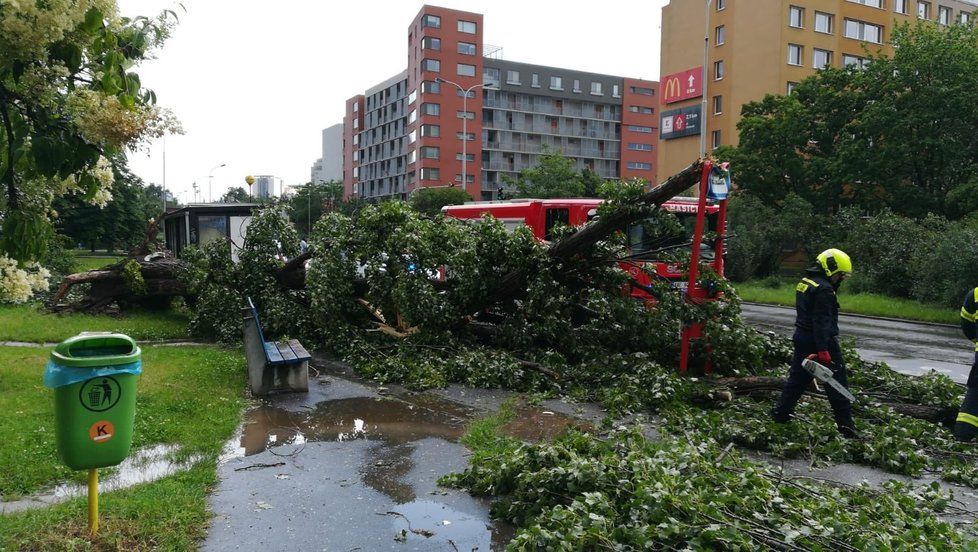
x=142, y=466
x=424, y=521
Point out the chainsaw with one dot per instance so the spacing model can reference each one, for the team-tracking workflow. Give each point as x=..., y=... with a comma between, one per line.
x=824, y=374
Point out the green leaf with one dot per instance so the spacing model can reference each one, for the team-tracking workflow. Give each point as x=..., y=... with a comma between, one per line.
x=94, y=21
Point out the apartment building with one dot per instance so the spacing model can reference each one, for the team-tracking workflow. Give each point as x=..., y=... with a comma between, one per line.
x=460, y=116
x=759, y=47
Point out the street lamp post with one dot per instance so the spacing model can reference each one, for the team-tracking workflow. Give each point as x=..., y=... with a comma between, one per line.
x=705, y=76
x=465, y=119
x=210, y=181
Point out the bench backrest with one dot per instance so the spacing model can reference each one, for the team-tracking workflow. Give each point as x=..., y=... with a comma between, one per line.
x=254, y=314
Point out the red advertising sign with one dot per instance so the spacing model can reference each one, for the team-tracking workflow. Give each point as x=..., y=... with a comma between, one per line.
x=682, y=86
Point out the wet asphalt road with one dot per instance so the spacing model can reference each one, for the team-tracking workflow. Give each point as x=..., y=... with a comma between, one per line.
x=908, y=347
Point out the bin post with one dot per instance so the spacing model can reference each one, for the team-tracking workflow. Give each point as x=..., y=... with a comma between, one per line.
x=93, y=501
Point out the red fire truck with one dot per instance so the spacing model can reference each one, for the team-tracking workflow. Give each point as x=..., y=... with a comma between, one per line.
x=706, y=213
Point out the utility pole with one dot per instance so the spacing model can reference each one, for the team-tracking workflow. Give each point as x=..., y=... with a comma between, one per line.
x=706, y=62
x=465, y=119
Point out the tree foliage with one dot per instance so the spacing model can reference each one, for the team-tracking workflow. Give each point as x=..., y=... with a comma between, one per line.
x=69, y=101
x=429, y=201
x=554, y=176
x=237, y=194
x=311, y=201
x=896, y=134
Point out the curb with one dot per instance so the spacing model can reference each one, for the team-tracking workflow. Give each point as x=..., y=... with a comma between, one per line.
x=866, y=316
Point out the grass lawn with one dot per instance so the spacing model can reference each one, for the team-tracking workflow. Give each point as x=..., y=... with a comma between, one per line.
x=188, y=396
x=83, y=263
x=870, y=304
x=30, y=323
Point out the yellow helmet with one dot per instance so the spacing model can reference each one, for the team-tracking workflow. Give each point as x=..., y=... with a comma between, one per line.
x=833, y=261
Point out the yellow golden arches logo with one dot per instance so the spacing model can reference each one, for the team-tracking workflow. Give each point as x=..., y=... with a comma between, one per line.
x=673, y=88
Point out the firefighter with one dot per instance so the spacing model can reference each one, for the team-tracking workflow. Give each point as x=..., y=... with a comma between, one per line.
x=966, y=426
x=817, y=337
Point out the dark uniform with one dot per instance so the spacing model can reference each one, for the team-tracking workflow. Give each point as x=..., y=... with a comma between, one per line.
x=966, y=426
x=816, y=329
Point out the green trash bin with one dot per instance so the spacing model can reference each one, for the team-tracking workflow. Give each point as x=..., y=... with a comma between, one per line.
x=94, y=380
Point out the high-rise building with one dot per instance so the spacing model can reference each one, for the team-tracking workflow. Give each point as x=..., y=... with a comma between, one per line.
x=264, y=186
x=460, y=116
x=759, y=47
x=329, y=167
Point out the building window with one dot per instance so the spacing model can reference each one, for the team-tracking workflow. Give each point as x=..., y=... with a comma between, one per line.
x=412, y=116
x=944, y=15
x=556, y=83
x=615, y=91
x=356, y=123
x=964, y=17
x=823, y=22
x=900, y=6
x=721, y=4
x=639, y=166
x=849, y=60
x=864, y=31
x=428, y=173
x=796, y=17
x=430, y=130
x=356, y=172
x=643, y=91
x=468, y=157
x=468, y=137
x=717, y=105
x=535, y=80
x=821, y=59
x=577, y=85
x=465, y=115
x=465, y=70
x=466, y=48
x=467, y=27
x=412, y=96
x=716, y=139
x=720, y=34
x=430, y=87
x=641, y=109
x=512, y=77
x=718, y=70
x=870, y=3
x=596, y=89
x=639, y=147
x=432, y=21
x=470, y=94
x=430, y=109
x=642, y=129
x=430, y=152
x=412, y=136
x=356, y=139
x=356, y=107
x=430, y=43
x=923, y=10
x=792, y=86
x=432, y=65
x=490, y=75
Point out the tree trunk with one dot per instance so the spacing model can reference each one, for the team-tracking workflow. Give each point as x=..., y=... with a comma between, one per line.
x=162, y=277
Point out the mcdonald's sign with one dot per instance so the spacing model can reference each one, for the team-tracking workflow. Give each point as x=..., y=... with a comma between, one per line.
x=682, y=86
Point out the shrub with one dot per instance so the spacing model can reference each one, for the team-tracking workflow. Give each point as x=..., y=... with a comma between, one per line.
x=945, y=267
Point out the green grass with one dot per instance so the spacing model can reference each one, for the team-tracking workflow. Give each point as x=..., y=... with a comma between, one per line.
x=870, y=304
x=188, y=396
x=83, y=263
x=30, y=323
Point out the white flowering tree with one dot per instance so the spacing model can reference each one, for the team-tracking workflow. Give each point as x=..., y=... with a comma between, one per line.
x=69, y=102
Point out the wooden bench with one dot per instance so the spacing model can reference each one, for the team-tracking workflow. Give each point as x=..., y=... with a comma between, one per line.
x=272, y=366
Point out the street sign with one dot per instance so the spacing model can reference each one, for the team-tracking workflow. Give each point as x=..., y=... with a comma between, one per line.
x=719, y=183
x=677, y=123
x=682, y=85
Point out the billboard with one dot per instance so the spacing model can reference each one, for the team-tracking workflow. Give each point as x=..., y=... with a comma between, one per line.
x=677, y=123
x=682, y=85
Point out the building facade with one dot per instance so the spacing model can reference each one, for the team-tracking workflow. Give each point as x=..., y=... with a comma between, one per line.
x=329, y=167
x=459, y=117
x=759, y=47
x=264, y=186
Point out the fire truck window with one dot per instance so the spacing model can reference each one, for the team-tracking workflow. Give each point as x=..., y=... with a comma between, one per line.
x=555, y=216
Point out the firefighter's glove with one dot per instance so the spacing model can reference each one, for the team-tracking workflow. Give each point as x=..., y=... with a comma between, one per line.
x=823, y=357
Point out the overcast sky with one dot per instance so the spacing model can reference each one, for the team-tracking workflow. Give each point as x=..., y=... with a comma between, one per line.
x=254, y=82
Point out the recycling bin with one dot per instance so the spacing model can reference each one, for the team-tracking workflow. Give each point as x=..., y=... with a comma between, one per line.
x=94, y=380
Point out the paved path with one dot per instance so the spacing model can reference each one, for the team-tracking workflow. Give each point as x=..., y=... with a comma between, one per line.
x=908, y=347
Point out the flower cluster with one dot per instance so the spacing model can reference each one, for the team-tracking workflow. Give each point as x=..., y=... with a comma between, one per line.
x=18, y=284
